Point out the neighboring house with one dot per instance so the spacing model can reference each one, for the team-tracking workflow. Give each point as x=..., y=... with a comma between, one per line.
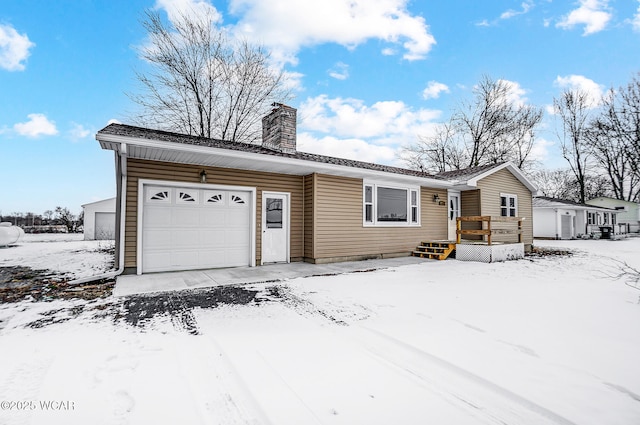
x=562, y=219
x=100, y=220
x=628, y=212
x=185, y=202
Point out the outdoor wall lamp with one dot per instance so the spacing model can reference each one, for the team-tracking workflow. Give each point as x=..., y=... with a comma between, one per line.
x=203, y=176
x=436, y=197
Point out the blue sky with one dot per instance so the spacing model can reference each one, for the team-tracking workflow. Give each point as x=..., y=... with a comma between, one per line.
x=368, y=75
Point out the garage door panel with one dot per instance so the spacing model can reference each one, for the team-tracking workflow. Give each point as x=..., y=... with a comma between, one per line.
x=157, y=238
x=212, y=238
x=155, y=216
x=214, y=258
x=237, y=217
x=234, y=238
x=186, y=228
x=237, y=256
x=185, y=217
x=156, y=261
x=212, y=217
x=184, y=259
x=185, y=238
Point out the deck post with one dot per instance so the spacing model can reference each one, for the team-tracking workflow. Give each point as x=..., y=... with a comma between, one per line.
x=489, y=229
x=519, y=231
x=458, y=228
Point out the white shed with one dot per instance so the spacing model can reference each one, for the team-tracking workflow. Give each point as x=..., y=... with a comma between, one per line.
x=100, y=219
x=562, y=219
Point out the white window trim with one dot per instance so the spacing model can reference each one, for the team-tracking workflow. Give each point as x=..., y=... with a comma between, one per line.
x=374, y=203
x=509, y=195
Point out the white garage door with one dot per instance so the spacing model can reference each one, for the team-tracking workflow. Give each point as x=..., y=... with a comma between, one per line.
x=105, y=225
x=188, y=229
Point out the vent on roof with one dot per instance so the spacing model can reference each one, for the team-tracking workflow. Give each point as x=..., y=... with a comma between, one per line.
x=279, y=129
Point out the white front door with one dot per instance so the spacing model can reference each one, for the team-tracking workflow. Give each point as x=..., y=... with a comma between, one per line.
x=454, y=212
x=275, y=227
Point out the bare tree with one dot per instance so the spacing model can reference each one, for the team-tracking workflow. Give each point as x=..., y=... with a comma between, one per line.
x=436, y=153
x=573, y=108
x=491, y=128
x=614, y=138
x=203, y=82
x=66, y=218
x=562, y=184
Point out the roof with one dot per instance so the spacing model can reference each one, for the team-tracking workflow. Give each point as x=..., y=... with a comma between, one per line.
x=468, y=173
x=129, y=134
x=612, y=201
x=469, y=177
x=547, y=202
x=98, y=202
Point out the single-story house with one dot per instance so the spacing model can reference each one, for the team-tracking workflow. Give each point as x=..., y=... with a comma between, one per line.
x=563, y=219
x=186, y=202
x=628, y=212
x=100, y=220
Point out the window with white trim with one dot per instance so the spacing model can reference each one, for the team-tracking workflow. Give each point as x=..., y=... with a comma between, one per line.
x=508, y=205
x=390, y=206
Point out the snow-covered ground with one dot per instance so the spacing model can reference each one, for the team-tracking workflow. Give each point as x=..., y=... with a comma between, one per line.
x=545, y=341
x=66, y=254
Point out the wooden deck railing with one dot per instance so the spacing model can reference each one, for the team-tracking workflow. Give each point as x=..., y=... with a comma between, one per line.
x=488, y=231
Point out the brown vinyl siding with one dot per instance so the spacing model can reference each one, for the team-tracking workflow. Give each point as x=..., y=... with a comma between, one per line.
x=152, y=170
x=470, y=206
x=503, y=181
x=339, y=231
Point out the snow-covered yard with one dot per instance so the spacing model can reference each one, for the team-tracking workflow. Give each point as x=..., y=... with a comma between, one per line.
x=548, y=340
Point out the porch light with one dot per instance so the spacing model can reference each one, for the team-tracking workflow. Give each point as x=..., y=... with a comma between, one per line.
x=203, y=176
x=436, y=197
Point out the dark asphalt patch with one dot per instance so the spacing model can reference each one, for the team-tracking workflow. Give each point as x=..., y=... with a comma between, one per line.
x=139, y=310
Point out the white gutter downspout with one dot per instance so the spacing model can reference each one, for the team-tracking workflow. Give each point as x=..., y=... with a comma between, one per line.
x=123, y=202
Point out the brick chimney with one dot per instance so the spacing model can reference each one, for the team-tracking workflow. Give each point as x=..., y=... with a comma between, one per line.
x=279, y=129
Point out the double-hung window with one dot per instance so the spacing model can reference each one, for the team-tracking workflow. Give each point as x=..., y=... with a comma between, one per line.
x=390, y=205
x=508, y=205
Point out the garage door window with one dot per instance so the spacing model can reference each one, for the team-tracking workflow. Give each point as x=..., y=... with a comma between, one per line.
x=237, y=199
x=214, y=197
x=188, y=197
x=162, y=195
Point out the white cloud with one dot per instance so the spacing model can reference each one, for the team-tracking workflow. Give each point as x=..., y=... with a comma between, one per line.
x=433, y=90
x=386, y=121
x=516, y=93
x=540, y=150
x=14, y=48
x=195, y=8
x=636, y=20
x=349, y=128
x=78, y=132
x=340, y=71
x=592, y=14
x=356, y=149
x=290, y=25
x=526, y=6
x=113, y=121
x=579, y=82
x=38, y=125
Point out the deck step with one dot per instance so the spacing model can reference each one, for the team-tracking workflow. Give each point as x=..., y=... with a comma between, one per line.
x=435, y=250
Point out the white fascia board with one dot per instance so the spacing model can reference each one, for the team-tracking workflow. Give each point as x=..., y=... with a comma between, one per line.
x=305, y=167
